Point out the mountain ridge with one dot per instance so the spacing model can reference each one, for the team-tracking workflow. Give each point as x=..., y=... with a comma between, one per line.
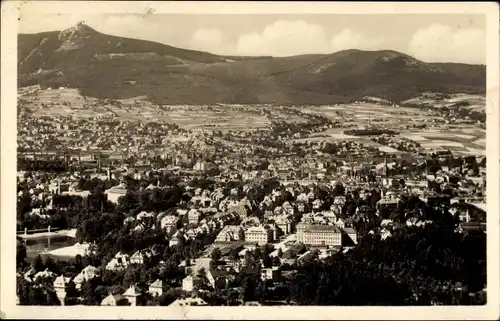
x=106, y=66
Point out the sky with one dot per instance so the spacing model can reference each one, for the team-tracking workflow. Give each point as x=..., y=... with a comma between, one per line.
x=428, y=37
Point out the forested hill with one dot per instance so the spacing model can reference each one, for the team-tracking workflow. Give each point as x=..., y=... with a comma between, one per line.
x=113, y=67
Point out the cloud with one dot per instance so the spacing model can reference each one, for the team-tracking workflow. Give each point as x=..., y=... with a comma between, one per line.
x=442, y=43
x=351, y=39
x=287, y=38
x=31, y=22
x=284, y=38
x=207, y=39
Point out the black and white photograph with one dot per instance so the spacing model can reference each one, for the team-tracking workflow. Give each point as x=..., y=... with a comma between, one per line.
x=255, y=159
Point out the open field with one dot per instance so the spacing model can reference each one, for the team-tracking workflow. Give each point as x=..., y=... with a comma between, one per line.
x=69, y=102
x=464, y=141
x=363, y=113
x=475, y=102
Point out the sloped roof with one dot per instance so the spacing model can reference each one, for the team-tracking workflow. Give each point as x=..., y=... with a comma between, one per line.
x=132, y=291
x=157, y=284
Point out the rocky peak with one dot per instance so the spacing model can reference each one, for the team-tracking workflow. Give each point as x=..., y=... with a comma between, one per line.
x=79, y=31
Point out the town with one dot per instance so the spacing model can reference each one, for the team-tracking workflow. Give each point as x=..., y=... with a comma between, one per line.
x=130, y=203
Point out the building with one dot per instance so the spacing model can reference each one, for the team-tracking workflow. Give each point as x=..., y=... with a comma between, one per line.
x=86, y=274
x=388, y=203
x=191, y=282
x=115, y=192
x=156, y=288
x=284, y=224
x=132, y=293
x=218, y=279
x=258, y=234
x=200, y=166
x=270, y=273
x=138, y=257
x=188, y=302
x=60, y=284
x=169, y=223
x=230, y=233
x=351, y=233
x=120, y=261
x=114, y=300
x=194, y=216
x=319, y=234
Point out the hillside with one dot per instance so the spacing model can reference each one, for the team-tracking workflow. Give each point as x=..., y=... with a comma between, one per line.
x=107, y=66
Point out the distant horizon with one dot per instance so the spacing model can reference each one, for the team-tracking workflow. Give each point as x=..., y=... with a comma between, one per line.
x=428, y=38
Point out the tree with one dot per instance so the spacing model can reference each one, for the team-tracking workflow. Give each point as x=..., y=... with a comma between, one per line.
x=266, y=260
x=257, y=253
x=216, y=254
x=248, y=258
x=37, y=264
x=241, y=235
x=234, y=254
x=20, y=253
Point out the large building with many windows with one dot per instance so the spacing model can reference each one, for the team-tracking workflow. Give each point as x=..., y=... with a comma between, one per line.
x=319, y=234
x=258, y=234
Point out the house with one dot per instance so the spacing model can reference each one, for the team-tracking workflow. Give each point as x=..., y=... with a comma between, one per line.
x=144, y=215
x=176, y=238
x=317, y=204
x=60, y=284
x=192, y=233
x=284, y=224
x=340, y=223
x=386, y=222
x=270, y=273
x=188, y=302
x=384, y=234
x=169, y=223
x=339, y=200
x=319, y=234
x=230, y=233
x=139, y=256
x=191, y=282
x=258, y=234
x=156, y=288
x=120, y=261
x=114, y=300
x=132, y=293
x=351, y=233
x=86, y=274
x=194, y=216
x=115, y=192
x=218, y=279
x=44, y=274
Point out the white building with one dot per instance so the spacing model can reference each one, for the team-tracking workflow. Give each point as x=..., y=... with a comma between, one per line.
x=156, y=288
x=120, y=261
x=319, y=234
x=60, y=284
x=113, y=300
x=169, y=223
x=351, y=233
x=115, y=192
x=86, y=274
x=230, y=233
x=188, y=302
x=258, y=234
x=132, y=294
x=190, y=282
x=269, y=273
x=193, y=216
